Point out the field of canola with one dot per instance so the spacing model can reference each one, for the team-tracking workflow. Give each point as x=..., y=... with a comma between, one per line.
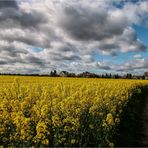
x=43, y=111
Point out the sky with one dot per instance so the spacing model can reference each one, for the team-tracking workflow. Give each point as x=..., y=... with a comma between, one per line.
x=101, y=36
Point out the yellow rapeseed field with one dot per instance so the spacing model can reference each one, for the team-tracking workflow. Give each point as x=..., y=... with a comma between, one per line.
x=44, y=111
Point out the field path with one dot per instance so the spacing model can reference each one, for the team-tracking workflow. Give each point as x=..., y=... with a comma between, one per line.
x=142, y=131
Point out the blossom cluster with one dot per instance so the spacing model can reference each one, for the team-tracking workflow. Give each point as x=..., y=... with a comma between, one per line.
x=61, y=111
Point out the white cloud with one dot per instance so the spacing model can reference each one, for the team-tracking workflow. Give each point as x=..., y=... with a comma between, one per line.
x=69, y=32
x=137, y=56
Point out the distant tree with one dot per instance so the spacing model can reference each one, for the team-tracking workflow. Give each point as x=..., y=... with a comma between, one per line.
x=53, y=73
x=102, y=76
x=106, y=75
x=110, y=75
x=129, y=76
x=71, y=75
x=146, y=74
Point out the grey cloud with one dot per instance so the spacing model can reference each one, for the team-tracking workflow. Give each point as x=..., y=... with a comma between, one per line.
x=67, y=48
x=106, y=46
x=30, y=25
x=32, y=19
x=64, y=47
x=33, y=60
x=26, y=36
x=132, y=65
x=126, y=42
x=135, y=64
x=22, y=19
x=30, y=71
x=88, y=58
x=8, y=4
x=10, y=11
x=61, y=57
x=68, y=32
x=130, y=40
x=11, y=50
x=138, y=12
x=71, y=58
x=61, y=52
x=83, y=23
x=3, y=62
x=28, y=59
x=102, y=65
x=33, y=41
x=12, y=53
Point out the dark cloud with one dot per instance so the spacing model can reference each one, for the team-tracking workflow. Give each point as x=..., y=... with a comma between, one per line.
x=32, y=19
x=126, y=42
x=8, y=4
x=24, y=59
x=3, y=62
x=108, y=46
x=63, y=57
x=12, y=51
x=68, y=33
x=67, y=48
x=22, y=26
x=103, y=66
x=32, y=41
x=83, y=23
x=10, y=11
x=30, y=59
x=22, y=19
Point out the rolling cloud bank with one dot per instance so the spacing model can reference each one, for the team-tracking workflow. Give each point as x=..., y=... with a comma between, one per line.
x=37, y=36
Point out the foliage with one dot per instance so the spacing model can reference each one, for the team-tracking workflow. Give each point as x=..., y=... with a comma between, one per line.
x=39, y=111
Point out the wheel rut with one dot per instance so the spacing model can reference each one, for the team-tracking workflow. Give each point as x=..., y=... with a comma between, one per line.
x=141, y=139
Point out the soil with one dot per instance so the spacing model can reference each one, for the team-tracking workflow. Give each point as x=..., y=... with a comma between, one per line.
x=134, y=132
x=142, y=130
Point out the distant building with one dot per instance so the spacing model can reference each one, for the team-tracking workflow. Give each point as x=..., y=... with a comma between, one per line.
x=66, y=74
x=63, y=73
x=88, y=75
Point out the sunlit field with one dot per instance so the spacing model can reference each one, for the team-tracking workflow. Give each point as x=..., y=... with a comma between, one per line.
x=44, y=111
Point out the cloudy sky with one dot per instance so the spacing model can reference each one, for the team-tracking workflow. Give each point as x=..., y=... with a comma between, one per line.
x=99, y=36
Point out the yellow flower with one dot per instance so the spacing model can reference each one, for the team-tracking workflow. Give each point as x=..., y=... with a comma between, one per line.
x=111, y=145
x=117, y=120
x=73, y=141
x=110, y=119
x=91, y=126
x=35, y=108
x=45, y=142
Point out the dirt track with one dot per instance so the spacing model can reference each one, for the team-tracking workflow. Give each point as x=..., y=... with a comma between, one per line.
x=142, y=131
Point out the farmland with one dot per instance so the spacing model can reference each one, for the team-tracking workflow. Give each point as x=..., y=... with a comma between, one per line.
x=44, y=111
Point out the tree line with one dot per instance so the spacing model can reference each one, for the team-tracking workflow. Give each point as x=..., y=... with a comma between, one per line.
x=85, y=74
